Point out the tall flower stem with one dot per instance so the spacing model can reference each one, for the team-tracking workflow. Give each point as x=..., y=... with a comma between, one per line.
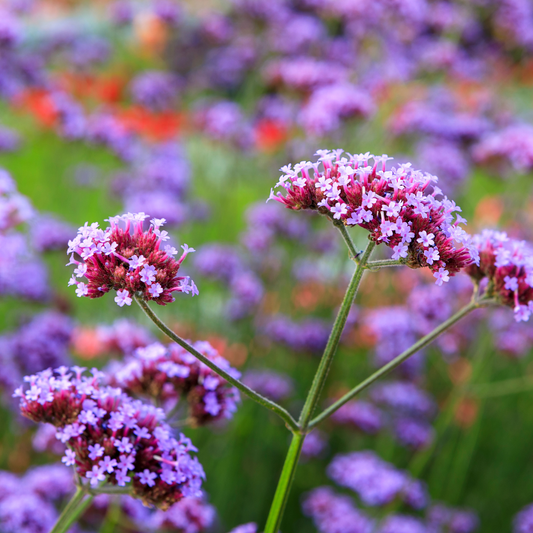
x=313, y=396
x=265, y=402
x=74, y=509
x=424, y=341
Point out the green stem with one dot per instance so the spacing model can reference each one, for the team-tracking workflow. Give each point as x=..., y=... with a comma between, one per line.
x=74, y=509
x=333, y=341
x=109, y=489
x=354, y=254
x=500, y=388
x=291, y=462
x=265, y=402
x=284, y=484
x=113, y=516
x=424, y=341
x=381, y=263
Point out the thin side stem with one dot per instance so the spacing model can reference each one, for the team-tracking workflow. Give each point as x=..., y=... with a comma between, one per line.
x=354, y=254
x=500, y=388
x=74, y=509
x=381, y=263
x=265, y=402
x=424, y=341
x=109, y=489
x=291, y=462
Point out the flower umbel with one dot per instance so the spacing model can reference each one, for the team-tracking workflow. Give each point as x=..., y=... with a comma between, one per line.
x=508, y=266
x=398, y=207
x=167, y=372
x=128, y=260
x=111, y=437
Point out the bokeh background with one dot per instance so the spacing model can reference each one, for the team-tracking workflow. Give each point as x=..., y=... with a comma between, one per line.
x=186, y=110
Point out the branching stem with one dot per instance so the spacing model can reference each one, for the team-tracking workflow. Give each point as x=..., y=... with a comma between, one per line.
x=265, y=402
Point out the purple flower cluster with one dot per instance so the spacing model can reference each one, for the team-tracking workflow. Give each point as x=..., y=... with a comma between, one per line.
x=308, y=335
x=156, y=182
x=360, y=414
x=333, y=513
x=104, y=129
x=375, y=481
x=402, y=524
x=123, y=336
x=442, y=518
x=404, y=397
x=224, y=120
x=523, y=521
x=189, y=515
x=23, y=274
x=315, y=444
x=156, y=90
x=169, y=372
x=396, y=328
x=273, y=385
x=27, y=502
x=394, y=206
x=111, y=437
x=330, y=105
x=507, y=265
x=225, y=263
x=411, y=410
x=40, y=343
x=513, y=144
x=511, y=337
x=9, y=140
x=129, y=263
x=48, y=232
x=265, y=224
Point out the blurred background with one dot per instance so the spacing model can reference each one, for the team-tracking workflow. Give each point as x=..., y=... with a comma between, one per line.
x=186, y=111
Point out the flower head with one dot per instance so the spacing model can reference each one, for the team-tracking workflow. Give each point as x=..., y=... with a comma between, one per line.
x=507, y=264
x=169, y=372
x=400, y=207
x=111, y=437
x=128, y=260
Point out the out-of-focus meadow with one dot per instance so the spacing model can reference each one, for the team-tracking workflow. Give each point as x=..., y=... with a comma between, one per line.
x=186, y=111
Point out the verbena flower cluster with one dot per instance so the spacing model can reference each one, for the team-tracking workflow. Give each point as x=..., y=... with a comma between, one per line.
x=336, y=513
x=375, y=481
x=129, y=262
x=168, y=372
x=273, y=385
x=507, y=264
x=111, y=437
x=27, y=502
x=396, y=206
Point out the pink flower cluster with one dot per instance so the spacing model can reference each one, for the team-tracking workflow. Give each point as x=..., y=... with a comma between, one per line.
x=112, y=438
x=401, y=207
x=169, y=372
x=513, y=144
x=507, y=264
x=129, y=262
